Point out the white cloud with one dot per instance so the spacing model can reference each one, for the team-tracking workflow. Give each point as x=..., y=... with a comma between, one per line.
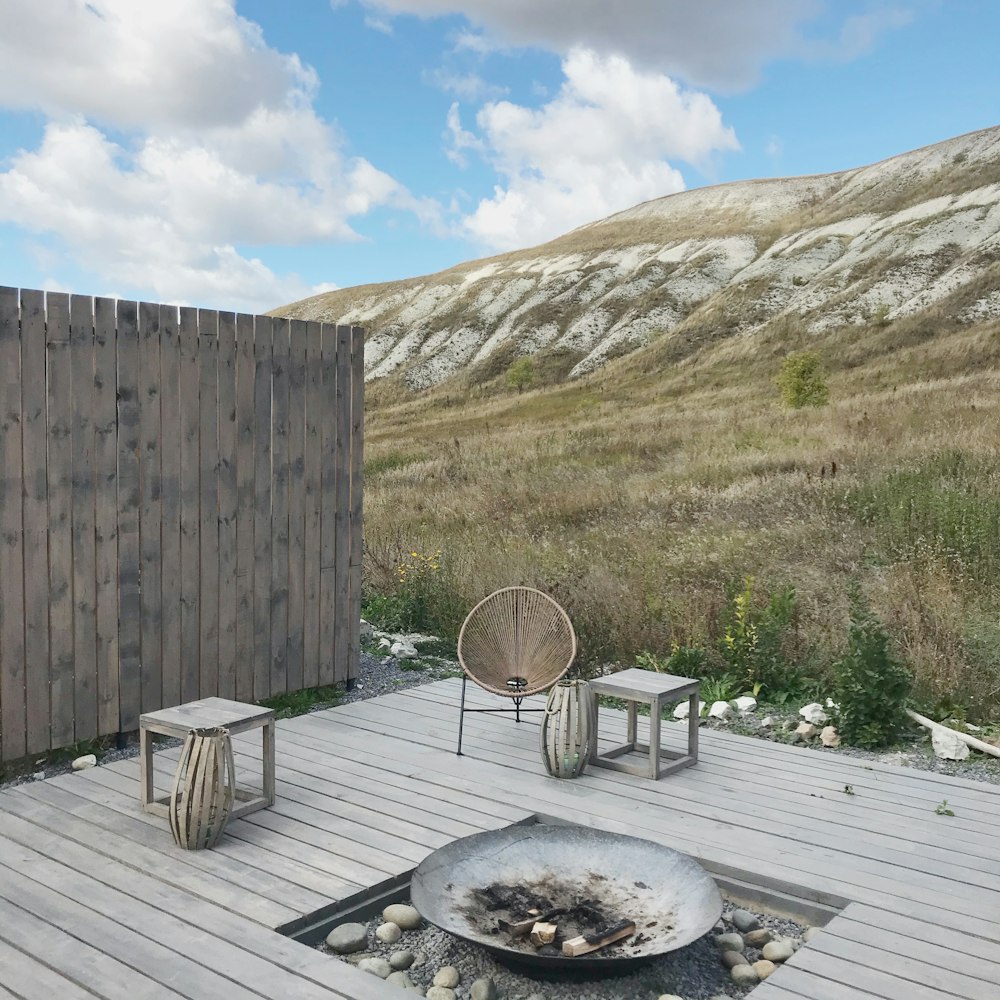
x=175, y=136
x=715, y=43
x=164, y=218
x=139, y=63
x=466, y=86
x=601, y=145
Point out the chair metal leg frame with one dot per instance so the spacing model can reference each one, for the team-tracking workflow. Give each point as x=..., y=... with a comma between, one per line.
x=494, y=711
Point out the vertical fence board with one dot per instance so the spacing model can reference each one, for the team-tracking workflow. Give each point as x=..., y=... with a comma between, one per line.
x=227, y=505
x=60, y=476
x=313, y=499
x=279, y=510
x=106, y=513
x=328, y=425
x=180, y=511
x=129, y=632
x=170, y=477
x=262, y=507
x=342, y=503
x=244, y=506
x=208, y=356
x=190, y=487
x=34, y=433
x=13, y=711
x=357, y=499
x=150, y=585
x=296, y=502
x=81, y=336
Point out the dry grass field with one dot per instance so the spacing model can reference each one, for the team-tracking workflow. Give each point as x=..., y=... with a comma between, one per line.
x=643, y=496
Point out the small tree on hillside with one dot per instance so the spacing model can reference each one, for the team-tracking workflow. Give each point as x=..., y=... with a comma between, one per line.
x=802, y=381
x=521, y=374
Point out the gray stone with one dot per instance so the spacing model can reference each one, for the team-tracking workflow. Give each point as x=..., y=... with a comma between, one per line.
x=537, y=996
x=376, y=966
x=669, y=996
x=811, y=933
x=758, y=938
x=778, y=951
x=403, y=650
x=388, y=933
x=731, y=958
x=440, y=993
x=401, y=979
x=744, y=920
x=806, y=730
x=729, y=942
x=946, y=745
x=743, y=975
x=82, y=763
x=367, y=630
x=483, y=989
x=763, y=968
x=405, y=917
x=813, y=713
x=447, y=976
x=401, y=960
x=768, y=722
x=347, y=938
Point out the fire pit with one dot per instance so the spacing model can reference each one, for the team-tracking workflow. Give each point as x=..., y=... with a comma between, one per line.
x=565, y=897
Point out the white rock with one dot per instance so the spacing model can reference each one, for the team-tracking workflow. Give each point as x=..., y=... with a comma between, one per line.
x=384, y=643
x=814, y=713
x=830, y=737
x=403, y=650
x=82, y=763
x=768, y=722
x=367, y=629
x=806, y=730
x=720, y=710
x=683, y=710
x=947, y=746
x=830, y=703
x=745, y=704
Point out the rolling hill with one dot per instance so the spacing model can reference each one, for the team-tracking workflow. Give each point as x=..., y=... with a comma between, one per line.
x=918, y=234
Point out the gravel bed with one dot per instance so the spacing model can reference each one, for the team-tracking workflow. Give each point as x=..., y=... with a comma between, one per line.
x=380, y=675
x=913, y=751
x=695, y=972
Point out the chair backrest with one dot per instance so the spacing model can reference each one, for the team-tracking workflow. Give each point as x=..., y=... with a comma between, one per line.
x=516, y=642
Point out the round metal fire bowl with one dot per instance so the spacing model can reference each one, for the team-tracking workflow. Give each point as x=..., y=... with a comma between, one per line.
x=671, y=898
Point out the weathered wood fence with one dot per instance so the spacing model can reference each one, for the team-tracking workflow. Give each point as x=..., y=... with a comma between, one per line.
x=180, y=511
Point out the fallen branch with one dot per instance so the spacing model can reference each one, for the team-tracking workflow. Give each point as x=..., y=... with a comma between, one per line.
x=965, y=738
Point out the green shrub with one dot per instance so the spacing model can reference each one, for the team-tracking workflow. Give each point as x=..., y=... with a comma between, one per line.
x=683, y=661
x=802, y=381
x=870, y=685
x=521, y=374
x=753, y=639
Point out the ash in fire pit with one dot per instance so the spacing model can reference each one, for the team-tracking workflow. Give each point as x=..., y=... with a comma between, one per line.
x=556, y=917
x=566, y=896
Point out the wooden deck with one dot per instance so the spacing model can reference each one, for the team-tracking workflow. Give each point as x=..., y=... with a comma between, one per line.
x=95, y=900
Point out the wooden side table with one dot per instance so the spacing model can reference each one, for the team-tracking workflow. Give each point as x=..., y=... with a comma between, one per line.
x=205, y=714
x=656, y=690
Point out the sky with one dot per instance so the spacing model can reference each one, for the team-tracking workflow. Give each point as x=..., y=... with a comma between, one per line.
x=243, y=154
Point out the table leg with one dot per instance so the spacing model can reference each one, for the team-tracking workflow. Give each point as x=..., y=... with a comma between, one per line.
x=268, y=756
x=632, y=723
x=654, y=739
x=145, y=768
x=693, y=725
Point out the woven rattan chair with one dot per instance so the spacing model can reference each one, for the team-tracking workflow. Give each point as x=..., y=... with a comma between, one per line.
x=515, y=643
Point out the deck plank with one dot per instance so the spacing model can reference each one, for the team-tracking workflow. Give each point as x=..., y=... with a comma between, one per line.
x=367, y=789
